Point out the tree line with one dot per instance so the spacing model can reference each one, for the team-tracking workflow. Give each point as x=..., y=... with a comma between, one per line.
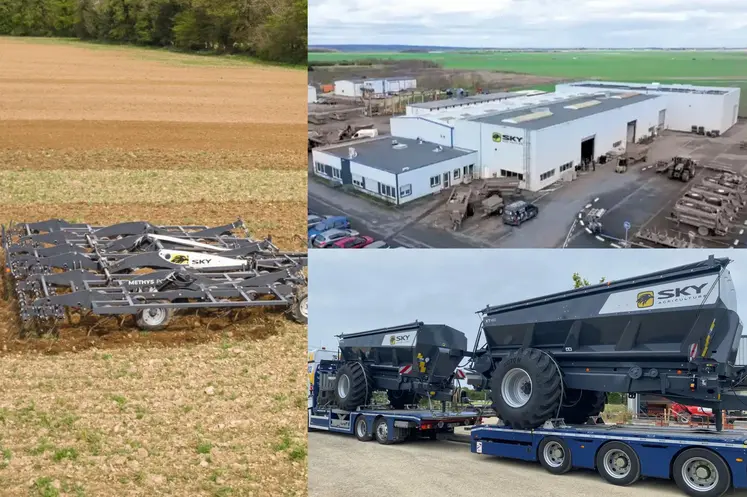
x=272, y=30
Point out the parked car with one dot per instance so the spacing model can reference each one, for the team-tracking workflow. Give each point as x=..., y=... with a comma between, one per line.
x=517, y=212
x=686, y=413
x=353, y=242
x=378, y=244
x=315, y=219
x=327, y=237
x=332, y=222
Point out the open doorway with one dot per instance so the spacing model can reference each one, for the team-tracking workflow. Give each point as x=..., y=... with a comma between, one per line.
x=587, y=150
x=631, y=131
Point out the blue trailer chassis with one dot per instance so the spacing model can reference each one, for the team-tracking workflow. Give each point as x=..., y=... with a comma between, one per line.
x=657, y=448
x=400, y=423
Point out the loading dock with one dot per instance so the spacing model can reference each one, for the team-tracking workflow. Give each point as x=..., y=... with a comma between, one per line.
x=587, y=149
x=631, y=131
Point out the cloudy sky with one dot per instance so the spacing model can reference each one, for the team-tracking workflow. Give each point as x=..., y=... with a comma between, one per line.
x=359, y=290
x=529, y=23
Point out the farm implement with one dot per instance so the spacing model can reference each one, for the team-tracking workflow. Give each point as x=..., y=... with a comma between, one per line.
x=56, y=268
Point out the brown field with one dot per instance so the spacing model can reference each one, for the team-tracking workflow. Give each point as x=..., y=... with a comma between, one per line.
x=214, y=405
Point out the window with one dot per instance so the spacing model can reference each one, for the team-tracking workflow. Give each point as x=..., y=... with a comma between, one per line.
x=511, y=174
x=359, y=181
x=319, y=167
x=566, y=166
x=405, y=191
x=387, y=191
x=617, y=144
x=548, y=174
x=336, y=173
x=435, y=180
x=457, y=172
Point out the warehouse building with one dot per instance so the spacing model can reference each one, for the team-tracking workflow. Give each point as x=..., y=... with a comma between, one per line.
x=435, y=106
x=312, y=94
x=541, y=140
x=377, y=86
x=397, y=170
x=712, y=108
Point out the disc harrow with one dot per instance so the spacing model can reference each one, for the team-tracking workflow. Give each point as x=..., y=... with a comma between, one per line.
x=54, y=268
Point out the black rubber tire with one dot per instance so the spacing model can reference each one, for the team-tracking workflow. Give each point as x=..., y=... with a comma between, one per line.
x=577, y=410
x=299, y=309
x=635, y=464
x=361, y=430
x=566, y=465
x=143, y=324
x=724, y=474
x=379, y=436
x=361, y=386
x=544, y=399
x=398, y=399
x=685, y=176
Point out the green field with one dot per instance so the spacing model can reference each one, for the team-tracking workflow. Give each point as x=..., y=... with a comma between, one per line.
x=701, y=67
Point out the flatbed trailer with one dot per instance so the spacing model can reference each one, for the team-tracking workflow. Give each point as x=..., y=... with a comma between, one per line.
x=702, y=462
x=390, y=426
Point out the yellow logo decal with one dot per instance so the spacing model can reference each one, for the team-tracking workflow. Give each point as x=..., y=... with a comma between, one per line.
x=392, y=340
x=497, y=137
x=645, y=299
x=179, y=259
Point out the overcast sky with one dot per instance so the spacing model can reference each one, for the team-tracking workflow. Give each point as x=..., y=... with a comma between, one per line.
x=359, y=290
x=530, y=23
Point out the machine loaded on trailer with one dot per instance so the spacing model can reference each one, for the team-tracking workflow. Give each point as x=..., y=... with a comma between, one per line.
x=548, y=363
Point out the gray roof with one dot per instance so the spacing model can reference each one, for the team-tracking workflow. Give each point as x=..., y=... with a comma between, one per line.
x=559, y=113
x=472, y=99
x=379, y=153
x=363, y=80
x=704, y=90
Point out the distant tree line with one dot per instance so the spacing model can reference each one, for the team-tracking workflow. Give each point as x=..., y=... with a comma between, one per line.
x=272, y=30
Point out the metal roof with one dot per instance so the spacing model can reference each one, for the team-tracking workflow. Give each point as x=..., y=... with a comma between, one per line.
x=472, y=99
x=381, y=153
x=363, y=80
x=671, y=88
x=560, y=112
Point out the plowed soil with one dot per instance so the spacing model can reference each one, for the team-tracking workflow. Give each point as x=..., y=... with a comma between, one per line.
x=209, y=406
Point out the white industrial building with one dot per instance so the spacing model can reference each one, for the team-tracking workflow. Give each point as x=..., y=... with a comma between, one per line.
x=312, y=94
x=688, y=106
x=397, y=170
x=540, y=139
x=377, y=86
x=425, y=108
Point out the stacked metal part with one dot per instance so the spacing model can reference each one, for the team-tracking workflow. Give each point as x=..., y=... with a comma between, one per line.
x=148, y=271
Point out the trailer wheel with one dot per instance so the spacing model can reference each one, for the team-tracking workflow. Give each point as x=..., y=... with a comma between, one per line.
x=353, y=386
x=300, y=308
x=361, y=430
x=525, y=389
x=381, y=432
x=618, y=463
x=554, y=455
x=685, y=176
x=701, y=473
x=703, y=231
x=153, y=319
x=579, y=405
x=399, y=399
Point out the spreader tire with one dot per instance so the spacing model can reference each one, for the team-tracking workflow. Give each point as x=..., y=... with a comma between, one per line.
x=525, y=389
x=353, y=386
x=399, y=399
x=579, y=405
x=300, y=309
x=153, y=319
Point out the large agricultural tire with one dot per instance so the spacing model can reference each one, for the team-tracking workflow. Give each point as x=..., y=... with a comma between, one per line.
x=398, y=399
x=153, y=319
x=525, y=389
x=299, y=310
x=579, y=405
x=353, y=386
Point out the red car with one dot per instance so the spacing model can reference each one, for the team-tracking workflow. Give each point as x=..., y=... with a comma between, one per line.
x=352, y=242
x=686, y=413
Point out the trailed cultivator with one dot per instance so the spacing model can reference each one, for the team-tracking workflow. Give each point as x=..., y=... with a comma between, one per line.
x=147, y=271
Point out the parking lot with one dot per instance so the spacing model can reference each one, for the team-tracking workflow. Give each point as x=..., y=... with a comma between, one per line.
x=640, y=196
x=341, y=466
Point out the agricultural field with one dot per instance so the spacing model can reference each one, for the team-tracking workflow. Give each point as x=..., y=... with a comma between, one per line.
x=728, y=68
x=105, y=134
